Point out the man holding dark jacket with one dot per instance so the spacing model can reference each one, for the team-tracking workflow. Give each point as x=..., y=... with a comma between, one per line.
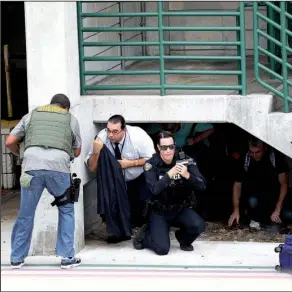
x=131, y=147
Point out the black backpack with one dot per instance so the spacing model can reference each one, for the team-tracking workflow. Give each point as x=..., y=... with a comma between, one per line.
x=247, y=160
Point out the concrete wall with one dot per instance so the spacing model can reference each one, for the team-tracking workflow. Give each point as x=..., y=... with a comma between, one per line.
x=202, y=21
x=53, y=67
x=173, y=35
x=110, y=7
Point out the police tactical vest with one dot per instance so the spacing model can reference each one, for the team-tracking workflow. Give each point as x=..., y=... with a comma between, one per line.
x=49, y=127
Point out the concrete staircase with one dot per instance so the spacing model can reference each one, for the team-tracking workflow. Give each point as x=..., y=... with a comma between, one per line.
x=253, y=113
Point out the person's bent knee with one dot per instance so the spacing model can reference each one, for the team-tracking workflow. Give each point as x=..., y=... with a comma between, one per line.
x=200, y=226
x=252, y=202
x=161, y=251
x=197, y=226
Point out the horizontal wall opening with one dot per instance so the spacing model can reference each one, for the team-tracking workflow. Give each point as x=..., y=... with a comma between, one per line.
x=227, y=143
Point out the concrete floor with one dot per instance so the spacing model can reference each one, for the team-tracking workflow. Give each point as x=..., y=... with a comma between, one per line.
x=218, y=266
x=144, y=279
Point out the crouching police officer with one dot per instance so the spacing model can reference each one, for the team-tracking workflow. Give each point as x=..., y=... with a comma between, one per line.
x=172, y=184
x=51, y=139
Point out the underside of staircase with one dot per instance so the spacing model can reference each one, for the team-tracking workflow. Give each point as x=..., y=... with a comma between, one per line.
x=253, y=113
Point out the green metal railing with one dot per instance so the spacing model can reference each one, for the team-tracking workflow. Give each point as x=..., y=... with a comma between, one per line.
x=279, y=37
x=161, y=43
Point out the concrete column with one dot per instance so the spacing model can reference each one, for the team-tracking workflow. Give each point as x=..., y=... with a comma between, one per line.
x=52, y=67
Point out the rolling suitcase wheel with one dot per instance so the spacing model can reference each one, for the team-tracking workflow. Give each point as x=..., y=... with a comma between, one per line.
x=278, y=249
x=278, y=268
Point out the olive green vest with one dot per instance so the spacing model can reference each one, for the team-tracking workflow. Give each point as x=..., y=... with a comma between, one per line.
x=49, y=127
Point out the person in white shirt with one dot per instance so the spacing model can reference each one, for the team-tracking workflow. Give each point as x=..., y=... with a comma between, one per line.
x=132, y=147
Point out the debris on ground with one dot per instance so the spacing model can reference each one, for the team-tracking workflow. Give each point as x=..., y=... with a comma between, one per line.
x=218, y=231
x=215, y=231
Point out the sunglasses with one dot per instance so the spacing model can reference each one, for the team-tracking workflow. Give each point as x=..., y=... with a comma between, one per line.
x=165, y=147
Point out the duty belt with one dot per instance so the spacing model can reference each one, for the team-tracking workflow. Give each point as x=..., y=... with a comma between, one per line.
x=162, y=208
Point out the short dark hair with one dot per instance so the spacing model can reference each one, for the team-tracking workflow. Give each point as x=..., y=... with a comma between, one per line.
x=163, y=135
x=61, y=99
x=255, y=142
x=115, y=119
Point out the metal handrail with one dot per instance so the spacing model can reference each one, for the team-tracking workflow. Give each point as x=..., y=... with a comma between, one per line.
x=279, y=72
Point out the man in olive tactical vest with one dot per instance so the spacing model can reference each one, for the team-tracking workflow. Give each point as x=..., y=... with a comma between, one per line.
x=50, y=139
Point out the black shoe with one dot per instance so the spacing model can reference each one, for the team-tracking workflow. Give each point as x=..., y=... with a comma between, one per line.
x=68, y=263
x=139, y=237
x=186, y=247
x=17, y=265
x=183, y=246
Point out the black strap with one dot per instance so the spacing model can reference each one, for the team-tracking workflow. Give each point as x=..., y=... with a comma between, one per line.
x=62, y=200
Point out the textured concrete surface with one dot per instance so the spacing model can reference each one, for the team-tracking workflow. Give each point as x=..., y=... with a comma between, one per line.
x=211, y=266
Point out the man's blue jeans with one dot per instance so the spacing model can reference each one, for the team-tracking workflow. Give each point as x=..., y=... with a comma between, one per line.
x=56, y=183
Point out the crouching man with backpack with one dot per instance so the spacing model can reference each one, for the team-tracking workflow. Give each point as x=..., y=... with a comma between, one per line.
x=260, y=187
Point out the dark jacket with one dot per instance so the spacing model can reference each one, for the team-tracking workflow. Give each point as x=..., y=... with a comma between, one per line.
x=112, y=197
x=167, y=191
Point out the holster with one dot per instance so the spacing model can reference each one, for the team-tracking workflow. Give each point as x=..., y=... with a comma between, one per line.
x=147, y=210
x=63, y=199
x=71, y=195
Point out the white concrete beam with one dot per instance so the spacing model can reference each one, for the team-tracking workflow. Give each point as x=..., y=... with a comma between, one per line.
x=252, y=113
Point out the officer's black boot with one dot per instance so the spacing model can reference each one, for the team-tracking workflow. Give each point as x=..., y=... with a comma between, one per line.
x=183, y=246
x=139, y=237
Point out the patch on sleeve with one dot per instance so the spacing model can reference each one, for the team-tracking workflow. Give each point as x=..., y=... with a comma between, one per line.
x=147, y=166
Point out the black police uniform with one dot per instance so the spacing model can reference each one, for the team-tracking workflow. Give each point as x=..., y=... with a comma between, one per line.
x=171, y=204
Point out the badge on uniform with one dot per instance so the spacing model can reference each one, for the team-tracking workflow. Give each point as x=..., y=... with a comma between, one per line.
x=147, y=166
